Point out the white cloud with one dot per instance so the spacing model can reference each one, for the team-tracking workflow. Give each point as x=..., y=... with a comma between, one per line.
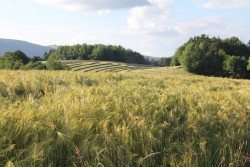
x=152, y=25
x=225, y=4
x=152, y=18
x=199, y=26
x=85, y=5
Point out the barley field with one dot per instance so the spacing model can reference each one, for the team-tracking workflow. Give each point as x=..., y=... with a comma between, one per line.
x=145, y=117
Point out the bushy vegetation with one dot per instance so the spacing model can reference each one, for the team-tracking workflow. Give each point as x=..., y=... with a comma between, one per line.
x=214, y=57
x=53, y=63
x=18, y=60
x=13, y=60
x=51, y=118
x=162, y=62
x=97, y=52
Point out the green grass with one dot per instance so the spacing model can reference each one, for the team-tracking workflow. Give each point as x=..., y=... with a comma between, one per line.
x=151, y=117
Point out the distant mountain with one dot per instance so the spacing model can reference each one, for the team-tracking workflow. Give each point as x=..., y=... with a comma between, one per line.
x=30, y=49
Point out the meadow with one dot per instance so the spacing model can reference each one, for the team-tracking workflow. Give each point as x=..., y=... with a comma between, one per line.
x=145, y=117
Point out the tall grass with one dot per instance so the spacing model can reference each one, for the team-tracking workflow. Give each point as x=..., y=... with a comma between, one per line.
x=122, y=119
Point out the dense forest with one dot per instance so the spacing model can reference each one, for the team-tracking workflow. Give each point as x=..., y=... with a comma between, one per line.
x=96, y=52
x=214, y=57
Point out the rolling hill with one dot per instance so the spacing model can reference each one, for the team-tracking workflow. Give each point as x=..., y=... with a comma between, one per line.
x=30, y=49
x=104, y=66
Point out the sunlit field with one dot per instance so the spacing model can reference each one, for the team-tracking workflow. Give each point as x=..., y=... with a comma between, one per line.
x=104, y=66
x=146, y=117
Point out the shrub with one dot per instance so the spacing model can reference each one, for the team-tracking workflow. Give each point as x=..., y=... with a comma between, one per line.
x=54, y=64
x=34, y=66
x=13, y=60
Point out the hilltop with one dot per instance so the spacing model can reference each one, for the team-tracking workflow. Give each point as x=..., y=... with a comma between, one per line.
x=30, y=49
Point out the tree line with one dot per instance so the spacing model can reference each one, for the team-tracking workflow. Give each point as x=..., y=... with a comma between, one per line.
x=96, y=52
x=18, y=60
x=214, y=57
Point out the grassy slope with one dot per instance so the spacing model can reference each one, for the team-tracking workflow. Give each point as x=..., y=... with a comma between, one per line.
x=103, y=66
x=148, y=117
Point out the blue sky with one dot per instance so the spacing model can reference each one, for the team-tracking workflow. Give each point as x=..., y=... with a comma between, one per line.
x=151, y=27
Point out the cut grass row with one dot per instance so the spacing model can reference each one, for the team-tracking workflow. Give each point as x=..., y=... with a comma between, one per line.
x=101, y=66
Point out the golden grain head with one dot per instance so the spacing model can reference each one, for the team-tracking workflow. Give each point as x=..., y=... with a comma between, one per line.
x=150, y=117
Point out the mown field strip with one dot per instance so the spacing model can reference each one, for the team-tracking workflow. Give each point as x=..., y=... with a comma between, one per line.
x=84, y=65
x=81, y=64
x=107, y=65
x=110, y=67
x=104, y=66
x=91, y=66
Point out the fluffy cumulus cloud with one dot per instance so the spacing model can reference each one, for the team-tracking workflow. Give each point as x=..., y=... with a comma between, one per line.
x=152, y=26
x=152, y=18
x=84, y=5
x=225, y=4
x=158, y=18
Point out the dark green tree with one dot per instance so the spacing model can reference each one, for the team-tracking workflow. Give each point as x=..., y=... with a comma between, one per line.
x=233, y=46
x=102, y=52
x=54, y=64
x=213, y=63
x=192, y=58
x=235, y=66
x=248, y=67
x=177, y=56
x=13, y=60
x=34, y=65
x=36, y=58
x=46, y=56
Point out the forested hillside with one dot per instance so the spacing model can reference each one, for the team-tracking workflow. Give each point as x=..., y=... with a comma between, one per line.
x=30, y=49
x=214, y=57
x=97, y=52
